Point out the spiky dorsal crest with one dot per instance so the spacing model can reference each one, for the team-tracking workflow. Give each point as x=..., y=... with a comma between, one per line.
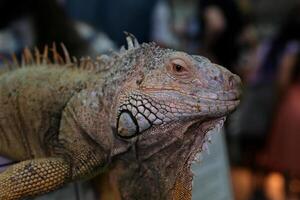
x=132, y=43
x=51, y=57
x=36, y=57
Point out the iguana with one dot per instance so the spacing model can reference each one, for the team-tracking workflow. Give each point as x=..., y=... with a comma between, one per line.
x=139, y=115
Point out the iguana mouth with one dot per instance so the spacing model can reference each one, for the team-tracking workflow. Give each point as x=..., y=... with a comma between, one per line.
x=191, y=105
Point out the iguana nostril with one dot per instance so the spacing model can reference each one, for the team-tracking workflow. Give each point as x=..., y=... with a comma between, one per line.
x=230, y=82
x=233, y=81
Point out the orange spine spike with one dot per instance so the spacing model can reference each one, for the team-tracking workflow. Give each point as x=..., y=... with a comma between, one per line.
x=56, y=57
x=45, y=56
x=54, y=52
x=66, y=54
x=28, y=56
x=15, y=60
x=37, y=56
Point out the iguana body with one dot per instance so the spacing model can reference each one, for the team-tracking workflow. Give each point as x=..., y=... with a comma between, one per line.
x=141, y=115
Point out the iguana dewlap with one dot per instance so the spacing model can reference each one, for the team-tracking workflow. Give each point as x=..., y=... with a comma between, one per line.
x=140, y=116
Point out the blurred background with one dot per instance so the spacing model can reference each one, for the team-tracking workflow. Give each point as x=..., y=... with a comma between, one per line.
x=257, y=39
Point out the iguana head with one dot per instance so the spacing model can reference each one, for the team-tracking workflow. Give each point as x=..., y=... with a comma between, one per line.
x=166, y=104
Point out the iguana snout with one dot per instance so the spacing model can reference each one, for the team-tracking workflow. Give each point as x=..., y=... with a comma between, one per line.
x=214, y=77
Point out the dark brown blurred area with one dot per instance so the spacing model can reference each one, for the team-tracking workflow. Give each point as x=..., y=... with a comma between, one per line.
x=258, y=40
x=48, y=22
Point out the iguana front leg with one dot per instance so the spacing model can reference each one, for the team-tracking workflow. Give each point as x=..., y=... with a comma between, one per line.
x=75, y=155
x=33, y=177
x=84, y=135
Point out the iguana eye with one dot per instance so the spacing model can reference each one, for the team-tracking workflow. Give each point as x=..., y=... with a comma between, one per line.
x=179, y=68
x=178, y=65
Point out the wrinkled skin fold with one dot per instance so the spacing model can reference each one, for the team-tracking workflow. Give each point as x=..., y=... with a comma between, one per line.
x=145, y=174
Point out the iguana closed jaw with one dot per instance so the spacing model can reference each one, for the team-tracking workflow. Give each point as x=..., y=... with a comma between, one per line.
x=183, y=104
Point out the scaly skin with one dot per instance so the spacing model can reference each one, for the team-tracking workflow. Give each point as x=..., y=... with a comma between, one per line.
x=140, y=116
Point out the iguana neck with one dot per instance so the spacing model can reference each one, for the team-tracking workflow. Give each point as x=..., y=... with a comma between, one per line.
x=166, y=173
